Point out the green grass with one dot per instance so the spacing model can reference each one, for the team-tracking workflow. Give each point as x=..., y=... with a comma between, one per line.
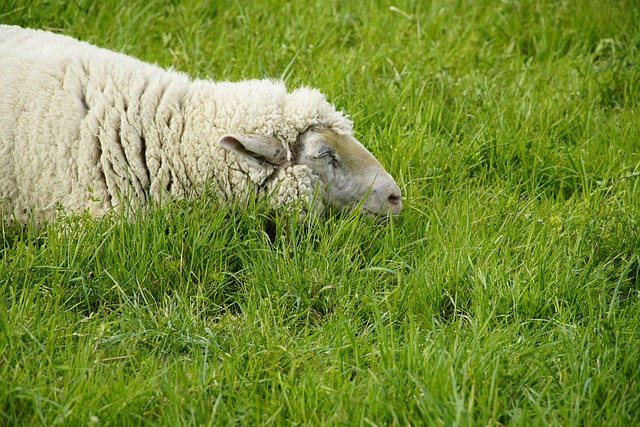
x=507, y=292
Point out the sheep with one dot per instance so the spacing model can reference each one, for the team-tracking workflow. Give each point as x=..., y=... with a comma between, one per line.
x=87, y=129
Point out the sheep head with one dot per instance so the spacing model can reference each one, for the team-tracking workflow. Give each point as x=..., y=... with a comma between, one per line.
x=350, y=176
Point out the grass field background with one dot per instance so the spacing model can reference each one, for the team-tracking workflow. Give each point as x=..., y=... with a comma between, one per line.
x=506, y=293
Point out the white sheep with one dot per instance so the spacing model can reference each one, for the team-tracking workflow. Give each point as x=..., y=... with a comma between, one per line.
x=84, y=128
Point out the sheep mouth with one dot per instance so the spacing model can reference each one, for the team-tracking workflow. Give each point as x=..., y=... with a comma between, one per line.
x=382, y=217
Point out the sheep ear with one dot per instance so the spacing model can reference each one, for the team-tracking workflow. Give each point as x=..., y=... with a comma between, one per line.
x=269, y=149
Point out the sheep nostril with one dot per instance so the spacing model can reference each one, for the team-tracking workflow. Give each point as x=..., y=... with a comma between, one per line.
x=394, y=199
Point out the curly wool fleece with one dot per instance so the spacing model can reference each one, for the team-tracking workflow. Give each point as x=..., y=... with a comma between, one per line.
x=85, y=128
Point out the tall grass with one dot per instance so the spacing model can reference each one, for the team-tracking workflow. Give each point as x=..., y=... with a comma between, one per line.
x=507, y=292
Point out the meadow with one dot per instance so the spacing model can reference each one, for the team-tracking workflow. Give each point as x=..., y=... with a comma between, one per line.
x=506, y=293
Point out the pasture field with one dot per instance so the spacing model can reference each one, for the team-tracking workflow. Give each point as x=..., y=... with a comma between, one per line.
x=506, y=293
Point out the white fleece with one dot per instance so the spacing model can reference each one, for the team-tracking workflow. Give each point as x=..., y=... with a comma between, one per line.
x=86, y=128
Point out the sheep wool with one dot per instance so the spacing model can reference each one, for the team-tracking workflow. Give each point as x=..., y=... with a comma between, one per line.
x=84, y=128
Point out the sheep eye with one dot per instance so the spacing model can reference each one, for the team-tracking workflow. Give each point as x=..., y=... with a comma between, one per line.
x=328, y=156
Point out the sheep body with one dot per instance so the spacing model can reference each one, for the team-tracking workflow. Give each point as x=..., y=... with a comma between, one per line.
x=85, y=128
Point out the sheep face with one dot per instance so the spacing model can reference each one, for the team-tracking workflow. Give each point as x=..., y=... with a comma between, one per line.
x=352, y=177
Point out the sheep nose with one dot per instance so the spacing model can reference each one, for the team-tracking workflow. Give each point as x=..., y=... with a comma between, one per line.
x=385, y=197
x=395, y=203
x=395, y=199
